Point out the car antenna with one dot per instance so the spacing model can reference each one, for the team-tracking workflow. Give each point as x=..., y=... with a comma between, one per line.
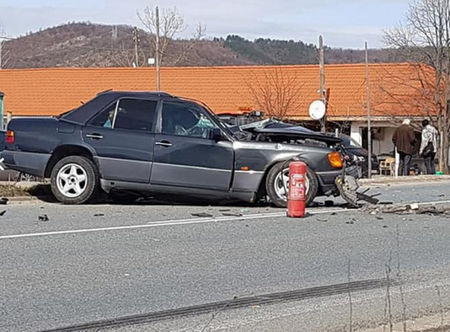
x=104, y=91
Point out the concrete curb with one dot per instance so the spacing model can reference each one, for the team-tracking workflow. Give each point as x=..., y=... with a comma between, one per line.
x=390, y=180
x=23, y=185
x=17, y=200
x=421, y=324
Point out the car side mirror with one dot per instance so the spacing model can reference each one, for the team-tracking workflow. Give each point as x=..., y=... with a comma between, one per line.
x=215, y=134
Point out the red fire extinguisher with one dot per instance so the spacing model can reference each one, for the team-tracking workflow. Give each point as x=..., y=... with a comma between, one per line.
x=297, y=190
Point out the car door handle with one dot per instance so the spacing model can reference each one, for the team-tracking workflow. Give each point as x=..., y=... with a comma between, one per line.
x=164, y=143
x=94, y=136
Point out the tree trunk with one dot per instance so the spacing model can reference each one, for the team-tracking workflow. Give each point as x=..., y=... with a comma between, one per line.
x=444, y=145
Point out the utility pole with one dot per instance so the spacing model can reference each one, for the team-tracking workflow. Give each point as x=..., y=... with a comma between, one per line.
x=136, y=45
x=322, y=91
x=369, y=127
x=157, y=58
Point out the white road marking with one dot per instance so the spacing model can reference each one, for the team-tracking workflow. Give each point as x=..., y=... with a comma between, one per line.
x=162, y=223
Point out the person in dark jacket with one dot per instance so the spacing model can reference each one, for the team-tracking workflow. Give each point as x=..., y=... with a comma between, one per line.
x=404, y=139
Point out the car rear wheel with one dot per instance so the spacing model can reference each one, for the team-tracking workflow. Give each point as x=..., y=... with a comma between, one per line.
x=74, y=180
x=277, y=183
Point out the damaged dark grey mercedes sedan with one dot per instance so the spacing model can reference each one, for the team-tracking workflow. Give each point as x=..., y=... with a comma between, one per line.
x=146, y=142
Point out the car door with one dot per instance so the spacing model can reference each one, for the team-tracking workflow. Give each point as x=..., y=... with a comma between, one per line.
x=185, y=155
x=123, y=137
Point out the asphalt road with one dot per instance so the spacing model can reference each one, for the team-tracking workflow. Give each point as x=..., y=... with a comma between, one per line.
x=88, y=263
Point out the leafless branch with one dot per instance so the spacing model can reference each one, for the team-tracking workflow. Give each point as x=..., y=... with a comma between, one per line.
x=277, y=92
x=170, y=24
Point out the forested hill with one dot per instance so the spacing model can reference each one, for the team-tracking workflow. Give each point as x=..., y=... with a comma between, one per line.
x=94, y=45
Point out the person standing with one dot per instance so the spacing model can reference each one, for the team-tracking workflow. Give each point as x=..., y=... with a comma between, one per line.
x=428, y=146
x=404, y=139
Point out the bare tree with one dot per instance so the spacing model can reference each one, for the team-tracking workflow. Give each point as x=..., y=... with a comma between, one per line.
x=277, y=92
x=425, y=37
x=409, y=90
x=169, y=24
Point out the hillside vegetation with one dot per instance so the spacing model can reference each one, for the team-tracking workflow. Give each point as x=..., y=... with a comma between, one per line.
x=94, y=45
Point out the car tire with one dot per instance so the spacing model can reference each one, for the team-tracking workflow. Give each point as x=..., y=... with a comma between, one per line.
x=74, y=180
x=274, y=182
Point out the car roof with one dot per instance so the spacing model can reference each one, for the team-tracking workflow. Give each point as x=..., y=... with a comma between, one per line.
x=141, y=94
x=86, y=111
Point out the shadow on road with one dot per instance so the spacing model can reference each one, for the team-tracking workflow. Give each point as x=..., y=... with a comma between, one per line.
x=43, y=193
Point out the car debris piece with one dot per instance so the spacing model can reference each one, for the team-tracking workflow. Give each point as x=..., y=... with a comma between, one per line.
x=2, y=213
x=232, y=214
x=348, y=188
x=414, y=206
x=43, y=217
x=411, y=208
x=98, y=215
x=202, y=215
x=4, y=201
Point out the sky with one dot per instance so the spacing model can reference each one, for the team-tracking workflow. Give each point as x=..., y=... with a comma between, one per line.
x=343, y=23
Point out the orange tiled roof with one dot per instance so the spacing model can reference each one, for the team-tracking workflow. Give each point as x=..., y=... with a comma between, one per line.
x=396, y=89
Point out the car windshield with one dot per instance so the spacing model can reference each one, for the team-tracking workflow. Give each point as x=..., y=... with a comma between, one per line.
x=215, y=118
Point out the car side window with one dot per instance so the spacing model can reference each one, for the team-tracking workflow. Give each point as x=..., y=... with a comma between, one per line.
x=135, y=114
x=105, y=118
x=183, y=119
x=131, y=114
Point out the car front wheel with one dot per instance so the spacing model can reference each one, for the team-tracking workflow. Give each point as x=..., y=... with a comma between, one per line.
x=74, y=180
x=277, y=184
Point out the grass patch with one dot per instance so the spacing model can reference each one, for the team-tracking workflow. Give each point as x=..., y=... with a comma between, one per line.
x=12, y=191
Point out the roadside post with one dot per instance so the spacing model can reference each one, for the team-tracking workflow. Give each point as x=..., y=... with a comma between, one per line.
x=1, y=110
x=397, y=162
x=297, y=190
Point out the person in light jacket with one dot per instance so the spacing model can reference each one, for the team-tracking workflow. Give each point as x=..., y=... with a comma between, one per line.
x=429, y=145
x=404, y=139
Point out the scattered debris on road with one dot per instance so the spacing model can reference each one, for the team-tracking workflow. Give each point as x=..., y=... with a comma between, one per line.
x=43, y=217
x=4, y=201
x=99, y=215
x=348, y=187
x=2, y=213
x=232, y=214
x=411, y=208
x=202, y=215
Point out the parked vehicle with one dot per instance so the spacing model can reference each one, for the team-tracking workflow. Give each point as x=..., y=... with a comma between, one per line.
x=156, y=143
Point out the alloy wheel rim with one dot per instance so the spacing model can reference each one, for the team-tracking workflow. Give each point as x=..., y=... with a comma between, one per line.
x=281, y=184
x=71, y=180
